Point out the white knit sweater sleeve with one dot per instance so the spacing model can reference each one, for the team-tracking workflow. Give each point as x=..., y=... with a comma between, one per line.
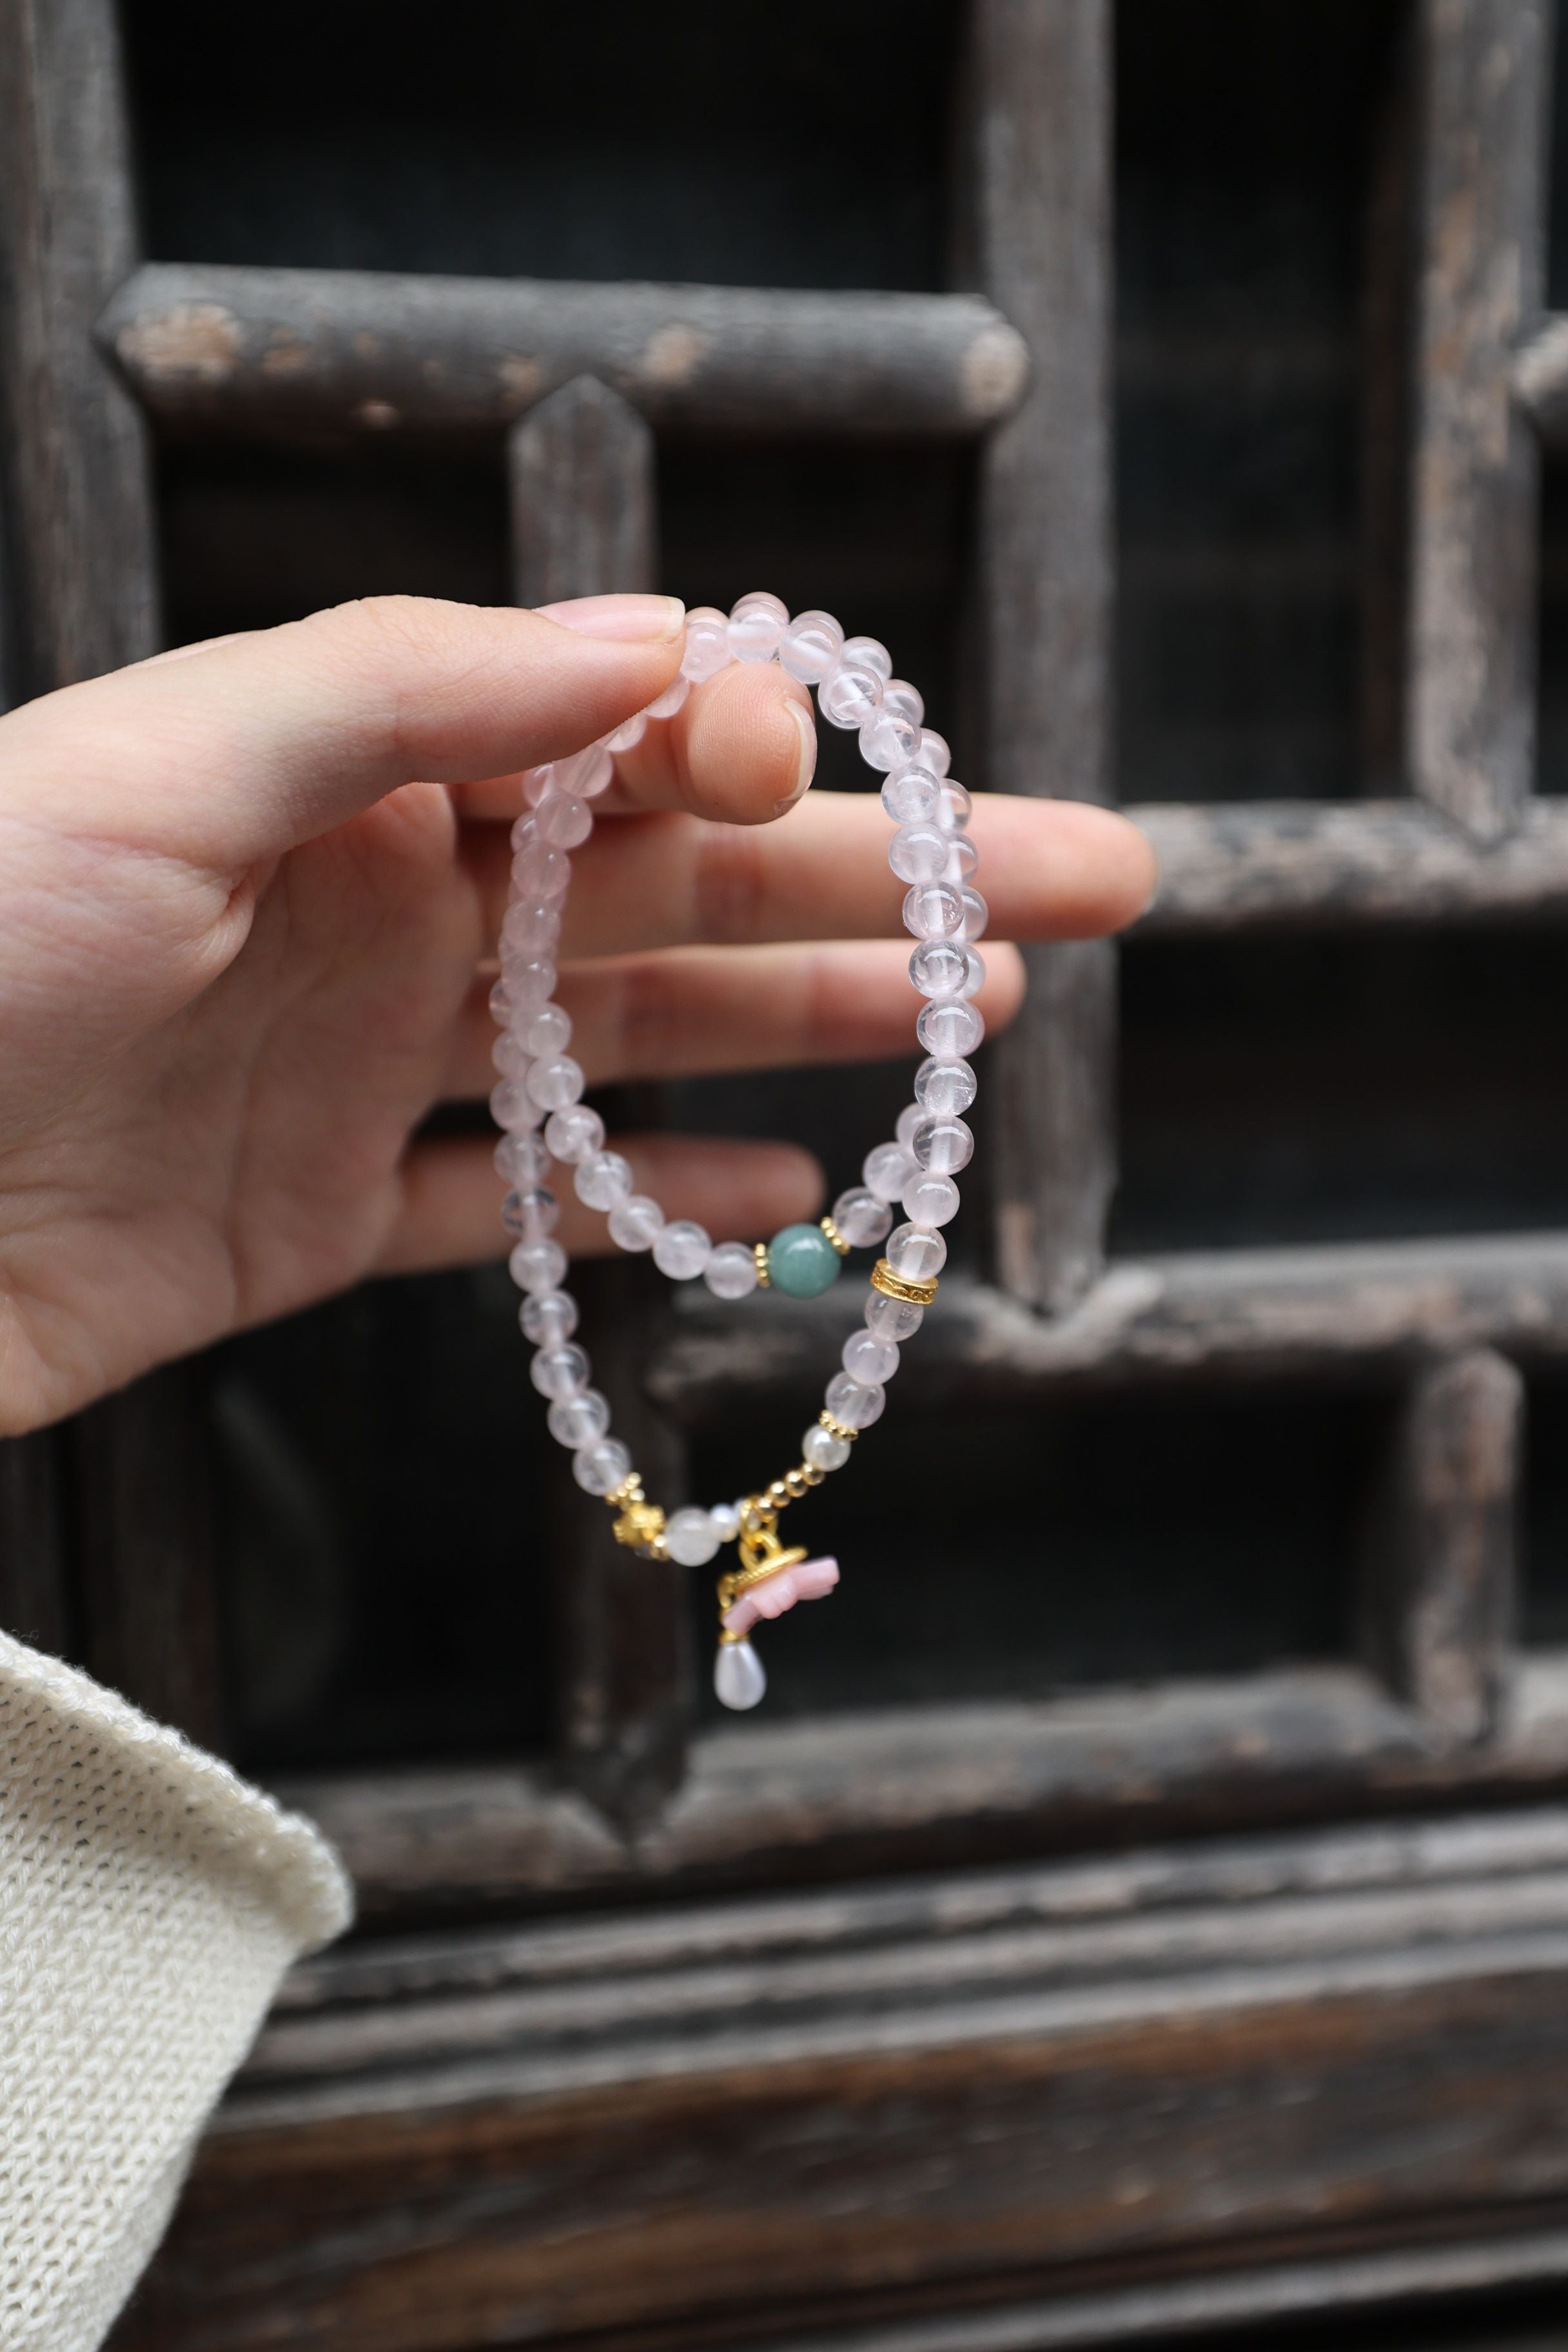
x=150, y=1901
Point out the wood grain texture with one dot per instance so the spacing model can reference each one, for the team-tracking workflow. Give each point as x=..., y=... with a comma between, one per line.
x=1484, y=79
x=370, y=354
x=580, y=478
x=77, y=493
x=1441, y=1580
x=1249, y=864
x=918, y=1788
x=730, y=2120
x=1038, y=80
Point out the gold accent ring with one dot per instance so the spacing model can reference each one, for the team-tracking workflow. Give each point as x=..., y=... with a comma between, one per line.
x=893, y=1285
x=834, y=1235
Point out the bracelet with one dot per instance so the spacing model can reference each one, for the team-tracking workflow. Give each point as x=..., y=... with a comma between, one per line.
x=541, y=1087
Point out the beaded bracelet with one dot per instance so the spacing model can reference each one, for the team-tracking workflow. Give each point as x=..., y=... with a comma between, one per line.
x=541, y=1085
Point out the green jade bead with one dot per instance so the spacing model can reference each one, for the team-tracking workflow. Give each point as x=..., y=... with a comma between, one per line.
x=801, y=1261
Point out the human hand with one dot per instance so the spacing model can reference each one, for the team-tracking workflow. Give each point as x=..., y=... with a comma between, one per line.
x=242, y=955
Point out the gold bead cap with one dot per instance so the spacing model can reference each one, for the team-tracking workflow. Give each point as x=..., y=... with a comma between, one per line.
x=893, y=1285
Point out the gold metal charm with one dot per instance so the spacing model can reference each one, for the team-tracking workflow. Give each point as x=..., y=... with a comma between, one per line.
x=893, y=1285
x=638, y=1524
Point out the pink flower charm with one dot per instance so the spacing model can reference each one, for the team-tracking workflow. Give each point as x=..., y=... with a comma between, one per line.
x=809, y=1581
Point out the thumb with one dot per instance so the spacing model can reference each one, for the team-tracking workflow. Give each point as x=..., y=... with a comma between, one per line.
x=235, y=751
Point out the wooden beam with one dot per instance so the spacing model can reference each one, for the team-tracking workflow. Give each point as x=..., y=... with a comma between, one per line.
x=77, y=494
x=1541, y=381
x=583, y=497
x=1040, y=246
x=1440, y=1589
x=758, y=2122
x=1481, y=134
x=367, y=353
x=1254, y=865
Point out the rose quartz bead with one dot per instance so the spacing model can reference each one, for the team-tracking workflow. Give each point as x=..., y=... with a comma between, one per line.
x=500, y=1001
x=868, y=1359
x=974, y=972
x=889, y=740
x=577, y=1421
x=511, y=1105
x=930, y=1200
x=915, y=1252
x=634, y=1222
x=939, y=968
x=528, y=982
x=560, y=1372
x=549, y=1031
x=919, y=853
x=532, y=1215
x=707, y=643
x=731, y=1271
x=575, y=1133
x=934, y=753
x=541, y=873
x=665, y=705
x=529, y=926
x=912, y=795
x=910, y=1118
x=893, y=1318
x=523, y=1159
x=601, y=1467
x=942, y=1145
x=934, y=911
x=692, y=1537
x=511, y=1056
x=957, y=807
x=810, y=647
x=628, y=735
x=554, y=1083
x=861, y=1217
x=757, y=623
x=585, y=774
x=536, y=784
x=947, y=1031
x=885, y=1170
x=538, y=1266
x=976, y=913
x=603, y=1181
x=870, y=652
x=564, y=823
x=682, y=1250
x=548, y=1318
x=900, y=696
x=962, y=858
x=850, y=697
x=856, y=1403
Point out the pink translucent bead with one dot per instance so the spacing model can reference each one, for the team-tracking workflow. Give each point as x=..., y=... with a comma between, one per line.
x=930, y=1200
x=934, y=911
x=548, y=1318
x=665, y=705
x=511, y=1105
x=528, y=982
x=910, y=1118
x=601, y=1467
x=974, y=972
x=868, y=1359
x=602, y=1179
x=861, y=1217
x=536, y=783
x=634, y=1222
x=707, y=643
x=560, y=1372
x=810, y=646
x=856, y=1403
x=628, y=735
x=511, y=1056
x=538, y=1266
x=976, y=913
x=915, y=1252
x=942, y=1145
x=889, y=740
x=541, y=873
x=574, y=1134
x=939, y=968
x=962, y=858
x=945, y=1087
x=532, y=1215
x=949, y=1031
x=554, y=1083
x=549, y=1032
x=757, y=623
x=683, y=1249
x=564, y=823
x=893, y=1318
x=850, y=696
x=501, y=1002
x=900, y=696
x=912, y=795
x=522, y=1160
x=885, y=1170
x=731, y=1271
x=919, y=853
x=529, y=927
x=870, y=652
x=957, y=807
x=585, y=774
x=579, y=1420
x=934, y=753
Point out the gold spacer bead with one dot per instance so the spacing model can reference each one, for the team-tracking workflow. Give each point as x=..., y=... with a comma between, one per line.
x=760, y=1252
x=796, y=1482
x=640, y=1524
x=778, y=1495
x=811, y=1473
x=893, y=1285
x=834, y=1235
x=628, y=1491
x=837, y=1428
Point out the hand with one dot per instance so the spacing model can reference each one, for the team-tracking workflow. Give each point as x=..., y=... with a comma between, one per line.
x=242, y=955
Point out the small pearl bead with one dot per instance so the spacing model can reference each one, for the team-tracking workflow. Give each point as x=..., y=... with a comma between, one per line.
x=549, y=1031
x=861, y=1217
x=943, y=1088
x=893, y=1318
x=916, y=1253
x=554, y=1083
x=856, y=1403
x=682, y=1250
x=870, y=1359
x=577, y=1421
x=849, y=697
x=634, y=1222
x=707, y=643
x=601, y=1467
x=885, y=1170
x=740, y=1680
x=603, y=1181
x=919, y=853
x=810, y=647
x=822, y=1449
x=727, y=1520
x=868, y=653
x=538, y=1266
x=930, y=1200
x=948, y=1031
x=574, y=1134
x=692, y=1537
x=560, y=1372
x=731, y=1271
x=549, y=1317
x=942, y=1145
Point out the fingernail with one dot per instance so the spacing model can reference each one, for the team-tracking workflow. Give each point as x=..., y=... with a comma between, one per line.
x=628, y=620
x=805, y=762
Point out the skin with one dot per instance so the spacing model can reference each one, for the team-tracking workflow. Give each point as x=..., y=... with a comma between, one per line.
x=248, y=891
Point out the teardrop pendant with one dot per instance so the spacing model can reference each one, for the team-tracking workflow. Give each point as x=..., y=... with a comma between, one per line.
x=738, y=1676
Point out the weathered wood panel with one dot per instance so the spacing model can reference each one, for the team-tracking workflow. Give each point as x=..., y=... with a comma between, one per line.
x=1092, y=2070
x=581, y=473
x=1484, y=84
x=1441, y=1572
x=1264, y=863
x=270, y=350
x=1040, y=237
